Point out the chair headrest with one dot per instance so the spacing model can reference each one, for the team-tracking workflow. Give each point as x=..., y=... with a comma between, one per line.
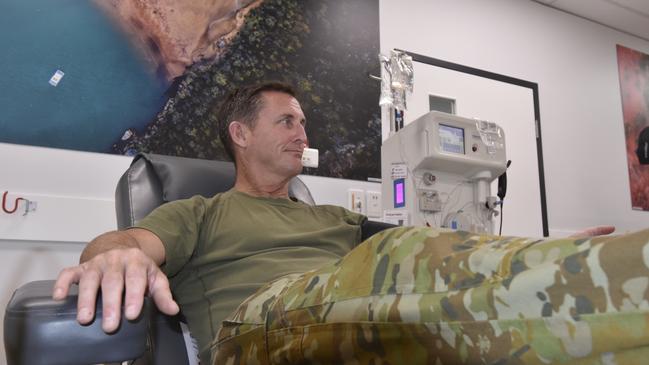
x=182, y=177
x=153, y=180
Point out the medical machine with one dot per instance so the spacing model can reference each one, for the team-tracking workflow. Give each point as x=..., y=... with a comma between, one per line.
x=437, y=171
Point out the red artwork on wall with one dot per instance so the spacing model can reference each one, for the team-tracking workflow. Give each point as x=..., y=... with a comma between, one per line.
x=633, y=69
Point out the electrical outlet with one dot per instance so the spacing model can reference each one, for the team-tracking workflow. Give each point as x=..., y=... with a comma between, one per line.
x=356, y=200
x=374, y=209
x=310, y=157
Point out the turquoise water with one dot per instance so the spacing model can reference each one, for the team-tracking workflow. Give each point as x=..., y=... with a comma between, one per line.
x=106, y=88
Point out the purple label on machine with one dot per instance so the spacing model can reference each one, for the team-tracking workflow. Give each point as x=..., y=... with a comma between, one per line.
x=399, y=193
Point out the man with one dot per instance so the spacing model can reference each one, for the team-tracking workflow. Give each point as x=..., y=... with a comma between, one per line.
x=408, y=293
x=219, y=251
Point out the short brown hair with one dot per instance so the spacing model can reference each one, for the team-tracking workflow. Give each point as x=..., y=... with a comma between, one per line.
x=243, y=104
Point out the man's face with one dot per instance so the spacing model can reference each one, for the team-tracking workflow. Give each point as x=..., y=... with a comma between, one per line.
x=278, y=138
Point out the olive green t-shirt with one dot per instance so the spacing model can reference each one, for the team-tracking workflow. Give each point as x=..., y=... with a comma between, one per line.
x=220, y=250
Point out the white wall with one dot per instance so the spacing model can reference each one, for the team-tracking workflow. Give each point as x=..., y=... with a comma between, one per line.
x=74, y=194
x=574, y=63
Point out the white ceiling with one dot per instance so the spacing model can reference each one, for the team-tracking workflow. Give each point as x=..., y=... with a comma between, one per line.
x=629, y=16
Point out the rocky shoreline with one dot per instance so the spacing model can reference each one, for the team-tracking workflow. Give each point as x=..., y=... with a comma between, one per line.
x=303, y=43
x=172, y=35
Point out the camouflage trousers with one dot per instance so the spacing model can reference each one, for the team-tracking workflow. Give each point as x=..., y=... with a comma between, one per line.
x=426, y=296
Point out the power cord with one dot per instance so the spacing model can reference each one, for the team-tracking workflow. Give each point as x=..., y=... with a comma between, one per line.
x=500, y=231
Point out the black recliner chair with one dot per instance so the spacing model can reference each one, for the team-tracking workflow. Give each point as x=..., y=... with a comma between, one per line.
x=39, y=330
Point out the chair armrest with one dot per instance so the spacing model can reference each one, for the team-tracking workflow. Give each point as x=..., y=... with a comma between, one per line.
x=39, y=330
x=369, y=228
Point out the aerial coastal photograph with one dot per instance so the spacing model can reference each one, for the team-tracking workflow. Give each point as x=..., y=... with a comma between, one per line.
x=143, y=76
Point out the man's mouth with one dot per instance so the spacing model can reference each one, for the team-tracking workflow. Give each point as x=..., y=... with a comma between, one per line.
x=295, y=153
x=298, y=149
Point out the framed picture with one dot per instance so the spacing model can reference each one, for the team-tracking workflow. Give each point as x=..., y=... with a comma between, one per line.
x=134, y=76
x=633, y=67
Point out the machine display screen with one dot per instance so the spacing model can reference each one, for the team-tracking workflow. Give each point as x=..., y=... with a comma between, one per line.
x=451, y=139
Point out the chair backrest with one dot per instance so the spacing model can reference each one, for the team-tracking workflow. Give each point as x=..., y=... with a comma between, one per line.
x=153, y=180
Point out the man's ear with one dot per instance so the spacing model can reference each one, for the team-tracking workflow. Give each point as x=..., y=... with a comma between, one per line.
x=239, y=133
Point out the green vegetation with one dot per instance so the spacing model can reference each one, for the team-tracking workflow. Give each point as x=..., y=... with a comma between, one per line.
x=326, y=49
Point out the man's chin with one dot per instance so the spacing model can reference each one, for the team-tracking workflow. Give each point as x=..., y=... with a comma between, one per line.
x=293, y=169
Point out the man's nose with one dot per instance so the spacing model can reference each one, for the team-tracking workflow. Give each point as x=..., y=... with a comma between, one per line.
x=301, y=134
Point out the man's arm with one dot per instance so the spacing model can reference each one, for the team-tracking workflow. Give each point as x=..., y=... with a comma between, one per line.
x=117, y=262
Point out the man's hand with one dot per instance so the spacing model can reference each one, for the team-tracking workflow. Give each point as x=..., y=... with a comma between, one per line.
x=116, y=271
x=593, y=231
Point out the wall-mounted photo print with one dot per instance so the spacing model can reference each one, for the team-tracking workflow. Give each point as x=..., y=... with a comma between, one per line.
x=127, y=76
x=633, y=68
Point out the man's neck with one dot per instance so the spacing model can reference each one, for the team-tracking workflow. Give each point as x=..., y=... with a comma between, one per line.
x=261, y=186
x=262, y=191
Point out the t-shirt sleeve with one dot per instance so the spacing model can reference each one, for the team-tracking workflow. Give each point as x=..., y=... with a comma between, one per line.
x=353, y=218
x=177, y=224
x=350, y=218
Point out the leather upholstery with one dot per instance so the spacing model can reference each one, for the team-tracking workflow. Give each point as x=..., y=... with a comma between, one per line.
x=41, y=331
x=153, y=180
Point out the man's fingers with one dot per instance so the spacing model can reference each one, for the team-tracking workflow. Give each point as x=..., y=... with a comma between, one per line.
x=127, y=272
x=66, y=278
x=594, y=231
x=112, y=287
x=135, y=279
x=89, y=281
x=602, y=230
x=159, y=290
